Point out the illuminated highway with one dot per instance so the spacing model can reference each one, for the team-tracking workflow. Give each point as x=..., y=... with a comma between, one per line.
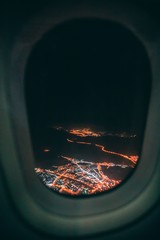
x=133, y=158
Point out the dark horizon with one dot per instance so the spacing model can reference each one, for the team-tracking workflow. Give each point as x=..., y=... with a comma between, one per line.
x=90, y=73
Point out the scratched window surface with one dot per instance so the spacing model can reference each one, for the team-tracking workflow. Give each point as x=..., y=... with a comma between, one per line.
x=87, y=89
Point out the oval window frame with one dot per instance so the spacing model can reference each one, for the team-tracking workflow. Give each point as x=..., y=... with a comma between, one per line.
x=36, y=202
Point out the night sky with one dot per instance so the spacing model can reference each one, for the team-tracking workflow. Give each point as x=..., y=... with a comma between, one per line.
x=88, y=72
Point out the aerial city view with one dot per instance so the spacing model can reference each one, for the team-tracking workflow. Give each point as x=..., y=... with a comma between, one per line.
x=87, y=91
x=87, y=161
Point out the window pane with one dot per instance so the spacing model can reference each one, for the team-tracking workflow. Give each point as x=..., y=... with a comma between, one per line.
x=87, y=92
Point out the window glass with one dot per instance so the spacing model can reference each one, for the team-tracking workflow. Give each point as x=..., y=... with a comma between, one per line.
x=87, y=90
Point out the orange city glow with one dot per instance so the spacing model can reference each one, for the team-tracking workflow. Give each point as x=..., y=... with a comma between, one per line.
x=84, y=132
x=78, y=176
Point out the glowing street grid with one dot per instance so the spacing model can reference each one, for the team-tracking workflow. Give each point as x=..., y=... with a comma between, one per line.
x=81, y=177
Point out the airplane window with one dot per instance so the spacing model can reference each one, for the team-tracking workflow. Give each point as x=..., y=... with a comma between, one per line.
x=87, y=88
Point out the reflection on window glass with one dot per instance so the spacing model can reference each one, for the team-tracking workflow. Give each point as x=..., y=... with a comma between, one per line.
x=87, y=91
